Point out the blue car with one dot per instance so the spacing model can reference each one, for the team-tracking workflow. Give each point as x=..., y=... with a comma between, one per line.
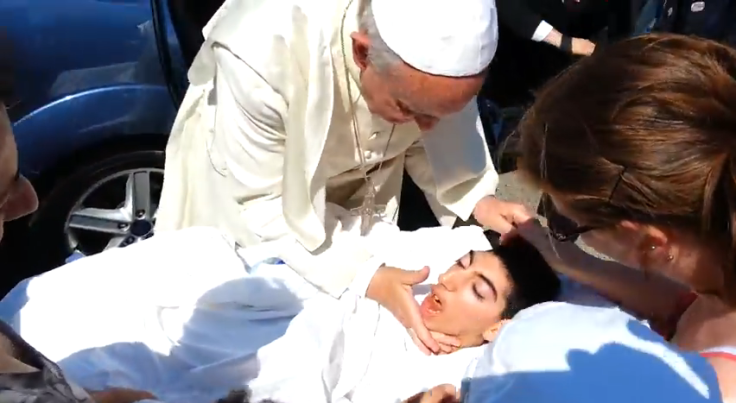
x=97, y=85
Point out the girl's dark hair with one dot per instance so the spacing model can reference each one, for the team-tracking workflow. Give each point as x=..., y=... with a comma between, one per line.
x=644, y=130
x=533, y=281
x=240, y=396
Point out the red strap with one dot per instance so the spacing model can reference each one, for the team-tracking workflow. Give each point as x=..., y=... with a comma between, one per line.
x=719, y=354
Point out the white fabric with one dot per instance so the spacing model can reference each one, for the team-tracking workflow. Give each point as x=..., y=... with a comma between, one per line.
x=564, y=353
x=543, y=29
x=263, y=140
x=446, y=38
x=188, y=316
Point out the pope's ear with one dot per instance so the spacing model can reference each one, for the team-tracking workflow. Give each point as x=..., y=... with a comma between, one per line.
x=490, y=334
x=361, y=46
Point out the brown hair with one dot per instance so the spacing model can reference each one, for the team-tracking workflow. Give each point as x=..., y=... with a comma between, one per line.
x=644, y=130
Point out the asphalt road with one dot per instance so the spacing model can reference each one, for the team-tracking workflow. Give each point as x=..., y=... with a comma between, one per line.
x=512, y=188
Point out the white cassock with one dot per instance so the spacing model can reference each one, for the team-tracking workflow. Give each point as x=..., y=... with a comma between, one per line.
x=264, y=138
x=188, y=316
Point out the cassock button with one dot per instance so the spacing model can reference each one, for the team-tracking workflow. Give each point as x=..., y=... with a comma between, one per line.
x=374, y=135
x=367, y=154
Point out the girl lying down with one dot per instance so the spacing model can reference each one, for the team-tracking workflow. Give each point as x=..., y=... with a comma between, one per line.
x=134, y=319
x=372, y=359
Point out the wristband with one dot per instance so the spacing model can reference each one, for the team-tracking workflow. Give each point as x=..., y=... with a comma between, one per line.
x=566, y=44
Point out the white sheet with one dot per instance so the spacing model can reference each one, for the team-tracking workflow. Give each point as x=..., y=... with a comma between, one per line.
x=183, y=316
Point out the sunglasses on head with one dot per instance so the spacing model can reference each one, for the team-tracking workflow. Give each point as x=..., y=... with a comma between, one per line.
x=563, y=229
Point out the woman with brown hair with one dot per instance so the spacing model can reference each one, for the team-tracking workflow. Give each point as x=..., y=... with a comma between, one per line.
x=637, y=145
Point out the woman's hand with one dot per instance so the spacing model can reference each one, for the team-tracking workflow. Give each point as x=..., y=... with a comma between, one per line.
x=120, y=395
x=438, y=394
x=392, y=288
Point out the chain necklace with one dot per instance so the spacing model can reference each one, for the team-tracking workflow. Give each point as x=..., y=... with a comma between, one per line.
x=368, y=207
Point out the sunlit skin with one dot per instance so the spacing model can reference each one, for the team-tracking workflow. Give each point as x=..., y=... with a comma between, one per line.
x=404, y=93
x=17, y=197
x=628, y=241
x=469, y=298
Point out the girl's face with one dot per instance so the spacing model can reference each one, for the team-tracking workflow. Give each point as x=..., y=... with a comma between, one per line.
x=17, y=197
x=469, y=298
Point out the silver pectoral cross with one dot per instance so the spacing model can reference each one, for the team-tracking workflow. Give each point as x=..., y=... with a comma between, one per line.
x=367, y=210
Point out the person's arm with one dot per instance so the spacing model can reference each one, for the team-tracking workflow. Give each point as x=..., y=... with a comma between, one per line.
x=652, y=297
x=452, y=164
x=120, y=395
x=519, y=18
x=524, y=22
x=250, y=116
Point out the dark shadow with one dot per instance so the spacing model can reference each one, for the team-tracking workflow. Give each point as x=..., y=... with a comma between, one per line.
x=615, y=373
x=214, y=337
x=414, y=211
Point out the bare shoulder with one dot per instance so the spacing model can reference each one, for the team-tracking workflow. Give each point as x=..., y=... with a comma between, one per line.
x=725, y=368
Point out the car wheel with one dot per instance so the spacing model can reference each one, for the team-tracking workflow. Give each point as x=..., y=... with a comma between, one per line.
x=109, y=203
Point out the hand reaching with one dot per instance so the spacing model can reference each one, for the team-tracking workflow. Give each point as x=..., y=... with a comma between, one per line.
x=120, y=395
x=392, y=288
x=499, y=215
x=438, y=394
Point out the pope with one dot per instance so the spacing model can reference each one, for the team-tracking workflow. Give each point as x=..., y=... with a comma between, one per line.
x=294, y=104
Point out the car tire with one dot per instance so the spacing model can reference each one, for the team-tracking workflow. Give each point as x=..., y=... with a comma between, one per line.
x=46, y=238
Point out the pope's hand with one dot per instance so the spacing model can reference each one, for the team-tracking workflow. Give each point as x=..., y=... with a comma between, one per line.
x=498, y=215
x=448, y=344
x=438, y=394
x=392, y=288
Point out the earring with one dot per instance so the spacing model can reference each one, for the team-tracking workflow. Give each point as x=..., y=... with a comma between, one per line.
x=669, y=256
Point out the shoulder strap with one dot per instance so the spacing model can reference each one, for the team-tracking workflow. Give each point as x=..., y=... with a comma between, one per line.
x=727, y=352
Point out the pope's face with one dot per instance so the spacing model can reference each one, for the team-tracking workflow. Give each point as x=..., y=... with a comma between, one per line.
x=401, y=94
x=17, y=197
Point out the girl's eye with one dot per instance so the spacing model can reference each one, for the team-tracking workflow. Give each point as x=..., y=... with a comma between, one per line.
x=477, y=293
